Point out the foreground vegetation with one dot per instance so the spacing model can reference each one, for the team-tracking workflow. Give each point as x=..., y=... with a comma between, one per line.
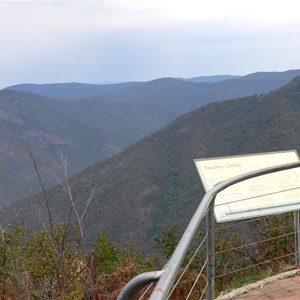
x=53, y=263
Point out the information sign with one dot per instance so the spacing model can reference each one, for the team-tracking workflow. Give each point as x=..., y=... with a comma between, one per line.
x=264, y=195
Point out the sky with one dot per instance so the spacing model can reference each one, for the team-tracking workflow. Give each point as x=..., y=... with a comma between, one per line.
x=109, y=41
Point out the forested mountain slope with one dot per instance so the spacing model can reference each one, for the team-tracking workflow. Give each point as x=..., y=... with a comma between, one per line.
x=153, y=184
x=30, y=122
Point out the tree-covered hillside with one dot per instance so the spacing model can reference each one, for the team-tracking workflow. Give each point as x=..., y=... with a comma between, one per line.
x=153, y=184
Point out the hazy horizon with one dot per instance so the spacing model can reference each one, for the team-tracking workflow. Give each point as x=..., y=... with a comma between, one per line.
x=140, y=40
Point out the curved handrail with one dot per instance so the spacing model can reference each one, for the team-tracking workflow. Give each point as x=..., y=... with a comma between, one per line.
x=138, y=282
x=169, y=273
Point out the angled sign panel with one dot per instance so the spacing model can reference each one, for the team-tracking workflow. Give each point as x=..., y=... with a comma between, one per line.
x=260, y=196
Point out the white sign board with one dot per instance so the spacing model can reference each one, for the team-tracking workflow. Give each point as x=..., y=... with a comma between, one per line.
x=264, y=195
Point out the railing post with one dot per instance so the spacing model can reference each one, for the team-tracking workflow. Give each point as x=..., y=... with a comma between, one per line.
x=210, y=252
x=297, y=237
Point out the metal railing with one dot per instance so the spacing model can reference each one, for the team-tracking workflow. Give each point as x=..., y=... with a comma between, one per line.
x=166, y=278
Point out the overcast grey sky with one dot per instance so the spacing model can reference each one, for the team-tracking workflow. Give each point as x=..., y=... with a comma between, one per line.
x=122, y=40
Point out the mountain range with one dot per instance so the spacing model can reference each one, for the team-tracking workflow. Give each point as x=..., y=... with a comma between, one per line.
x=211, y=78
x=73, y=90
x=87, y=129
x=153, y=184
